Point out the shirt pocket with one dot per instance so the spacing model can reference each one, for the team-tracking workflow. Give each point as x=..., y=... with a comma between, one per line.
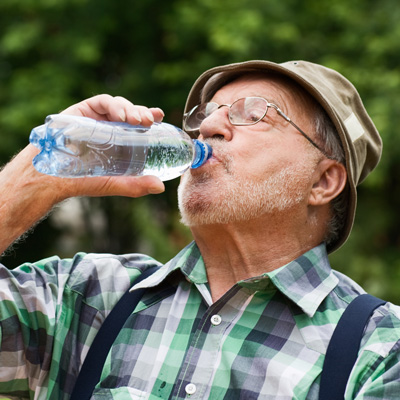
x=123, y=393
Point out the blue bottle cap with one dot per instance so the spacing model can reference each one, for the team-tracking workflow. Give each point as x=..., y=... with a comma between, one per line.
x=203, y=151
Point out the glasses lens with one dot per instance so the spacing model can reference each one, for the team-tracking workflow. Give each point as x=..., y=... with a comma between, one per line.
x=248, y=111
x=197, y=115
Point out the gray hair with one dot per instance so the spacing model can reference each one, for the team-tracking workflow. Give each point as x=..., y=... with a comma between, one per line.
x=328, y=139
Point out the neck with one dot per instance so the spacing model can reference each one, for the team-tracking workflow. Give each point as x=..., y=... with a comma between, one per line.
x=237, y=251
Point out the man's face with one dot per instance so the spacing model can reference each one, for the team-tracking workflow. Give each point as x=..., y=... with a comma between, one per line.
x=255, y=170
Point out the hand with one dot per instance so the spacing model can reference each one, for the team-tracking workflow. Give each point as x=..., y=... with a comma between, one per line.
x=106, y=107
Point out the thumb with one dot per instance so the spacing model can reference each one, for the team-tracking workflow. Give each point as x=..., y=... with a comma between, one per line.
x=128, y=186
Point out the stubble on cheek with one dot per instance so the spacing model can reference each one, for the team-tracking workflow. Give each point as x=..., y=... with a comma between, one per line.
x=225, y=194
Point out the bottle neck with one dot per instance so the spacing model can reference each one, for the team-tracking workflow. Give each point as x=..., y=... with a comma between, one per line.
x=202, y=152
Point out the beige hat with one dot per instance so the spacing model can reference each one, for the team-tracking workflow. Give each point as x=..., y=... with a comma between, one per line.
x=360, y=139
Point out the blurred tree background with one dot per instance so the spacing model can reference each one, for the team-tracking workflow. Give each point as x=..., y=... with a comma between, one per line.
x=56, y=52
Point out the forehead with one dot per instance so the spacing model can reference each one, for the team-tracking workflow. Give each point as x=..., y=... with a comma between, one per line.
x=273, y=89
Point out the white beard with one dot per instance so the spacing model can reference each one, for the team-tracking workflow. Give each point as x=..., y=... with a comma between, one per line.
x=212, y=198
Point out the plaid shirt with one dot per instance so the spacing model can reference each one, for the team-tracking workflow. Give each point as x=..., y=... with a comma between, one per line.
x=264, y=339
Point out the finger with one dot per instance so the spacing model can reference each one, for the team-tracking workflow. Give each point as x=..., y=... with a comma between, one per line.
x=158, y=114
x=116, y=186
x=142, y=115
x=135, y=186
x=121, y=109
x=106, y=107
x=113, y=108
x=95, y=107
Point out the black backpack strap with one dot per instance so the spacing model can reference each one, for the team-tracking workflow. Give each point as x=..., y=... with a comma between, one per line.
x=343, y=347
x=90, y=372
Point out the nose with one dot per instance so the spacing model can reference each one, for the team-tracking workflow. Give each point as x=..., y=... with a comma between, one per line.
x=217, y=125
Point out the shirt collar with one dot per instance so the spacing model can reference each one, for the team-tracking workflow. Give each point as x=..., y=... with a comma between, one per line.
x=188, y=260
x=306, y=281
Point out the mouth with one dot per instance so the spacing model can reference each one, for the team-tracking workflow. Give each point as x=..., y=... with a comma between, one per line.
x=214, y=158
x=219, y=150
x=219, y=163
x=221, y=156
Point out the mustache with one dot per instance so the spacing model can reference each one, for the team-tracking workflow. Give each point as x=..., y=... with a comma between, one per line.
x=221, y=151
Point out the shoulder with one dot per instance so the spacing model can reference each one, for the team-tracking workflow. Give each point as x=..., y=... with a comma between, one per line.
x=376, y=373
x=382, y=332
x=108, y=272
x=85, y=274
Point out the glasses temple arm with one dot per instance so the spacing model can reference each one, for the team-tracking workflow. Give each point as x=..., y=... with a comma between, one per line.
x=302, y=132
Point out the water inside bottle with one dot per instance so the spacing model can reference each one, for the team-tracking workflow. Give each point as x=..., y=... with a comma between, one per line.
x=147, y=155
x=168, y=159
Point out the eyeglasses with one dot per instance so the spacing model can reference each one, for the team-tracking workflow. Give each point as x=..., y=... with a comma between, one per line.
x=243, y=112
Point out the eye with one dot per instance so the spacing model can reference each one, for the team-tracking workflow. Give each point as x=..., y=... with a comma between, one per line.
x=254, y=114
x=254, y=109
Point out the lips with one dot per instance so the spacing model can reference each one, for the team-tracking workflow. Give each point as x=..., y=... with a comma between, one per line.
x=221, y=155
x=219, y=149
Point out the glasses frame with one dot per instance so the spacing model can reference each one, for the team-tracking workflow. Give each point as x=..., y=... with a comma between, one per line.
x=268, y=104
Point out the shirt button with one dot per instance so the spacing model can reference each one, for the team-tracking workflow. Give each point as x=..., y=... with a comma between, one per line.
x=190, y=388
x=216, y=319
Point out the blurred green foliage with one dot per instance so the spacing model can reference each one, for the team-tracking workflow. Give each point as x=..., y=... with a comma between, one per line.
x=56, y=52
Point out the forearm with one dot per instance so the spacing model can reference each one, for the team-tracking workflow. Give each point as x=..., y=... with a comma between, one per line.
x=26, y=197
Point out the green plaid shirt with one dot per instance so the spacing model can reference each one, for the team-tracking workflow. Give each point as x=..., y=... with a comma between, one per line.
x=264, y=339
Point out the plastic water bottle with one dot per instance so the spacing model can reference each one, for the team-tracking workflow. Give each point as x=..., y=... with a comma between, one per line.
x=72, y=146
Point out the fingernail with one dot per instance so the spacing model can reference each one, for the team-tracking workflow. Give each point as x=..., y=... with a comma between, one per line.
x=136, y=115
x=156, y=189
x=122, y=115
x=150, y=116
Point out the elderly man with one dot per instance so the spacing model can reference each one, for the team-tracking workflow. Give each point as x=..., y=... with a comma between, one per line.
x=247, y=310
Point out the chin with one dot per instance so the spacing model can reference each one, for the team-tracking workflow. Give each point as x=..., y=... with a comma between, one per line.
x=196, y=202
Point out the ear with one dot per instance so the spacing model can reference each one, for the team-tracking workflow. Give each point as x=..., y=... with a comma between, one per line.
x=329, y=181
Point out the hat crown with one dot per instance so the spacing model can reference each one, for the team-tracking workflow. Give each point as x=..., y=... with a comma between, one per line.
x=340, y=99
